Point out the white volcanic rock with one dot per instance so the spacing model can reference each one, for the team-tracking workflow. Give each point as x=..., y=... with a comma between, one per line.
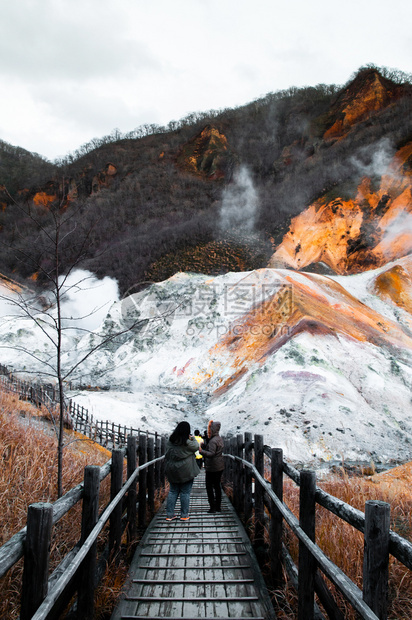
x=321, y=373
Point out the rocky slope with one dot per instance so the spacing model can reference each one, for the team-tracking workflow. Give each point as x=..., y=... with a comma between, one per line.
x=369, y=92
x=314, y=349
x=322, y=366
x=334, y=158
x=368, y=230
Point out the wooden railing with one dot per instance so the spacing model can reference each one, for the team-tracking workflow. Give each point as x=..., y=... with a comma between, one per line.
x=36, y=393
x=264, y=507
x=43, y=596
x=107, y=434
x=256, y=499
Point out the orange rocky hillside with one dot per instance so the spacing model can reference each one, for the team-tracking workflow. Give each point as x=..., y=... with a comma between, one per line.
x=300, y=302
x=368, y=93
x=206, y=155
x=395, y=284
x=361, y=233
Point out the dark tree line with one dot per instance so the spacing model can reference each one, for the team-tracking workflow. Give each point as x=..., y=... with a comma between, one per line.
x=152, y=205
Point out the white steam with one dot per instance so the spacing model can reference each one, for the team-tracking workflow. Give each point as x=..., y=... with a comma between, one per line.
x=28, y=325
x=374, y=163
x=239, y=203
x=399, y=228
x=85, y=300
x=8, y=301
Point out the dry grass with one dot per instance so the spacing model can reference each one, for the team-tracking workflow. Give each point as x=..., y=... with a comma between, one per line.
x=28, y=451
x=343, y=544
x=28, y=475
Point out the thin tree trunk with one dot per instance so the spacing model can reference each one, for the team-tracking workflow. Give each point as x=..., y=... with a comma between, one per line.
x=59, y=372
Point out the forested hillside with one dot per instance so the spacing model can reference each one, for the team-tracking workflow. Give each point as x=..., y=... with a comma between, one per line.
x=212, y=193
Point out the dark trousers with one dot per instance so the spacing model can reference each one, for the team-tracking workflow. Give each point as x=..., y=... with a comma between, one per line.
x=213, y=489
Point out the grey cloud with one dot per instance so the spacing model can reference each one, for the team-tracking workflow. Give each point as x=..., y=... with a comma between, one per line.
x=95, y=115
x=40, y=41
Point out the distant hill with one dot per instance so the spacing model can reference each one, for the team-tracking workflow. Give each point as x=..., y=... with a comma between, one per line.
x=218, y=191
x=20, y=168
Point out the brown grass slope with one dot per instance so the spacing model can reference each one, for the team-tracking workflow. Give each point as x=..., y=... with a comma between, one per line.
x=28, y=454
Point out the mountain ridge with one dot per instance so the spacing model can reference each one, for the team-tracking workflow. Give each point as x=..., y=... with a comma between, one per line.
x=162, y=193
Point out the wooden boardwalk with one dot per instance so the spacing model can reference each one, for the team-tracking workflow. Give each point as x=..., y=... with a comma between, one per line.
x=204, y=568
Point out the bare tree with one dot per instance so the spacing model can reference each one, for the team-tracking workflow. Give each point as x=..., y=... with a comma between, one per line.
x=60, y=240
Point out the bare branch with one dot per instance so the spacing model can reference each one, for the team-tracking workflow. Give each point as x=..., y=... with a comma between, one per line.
x=31, y=354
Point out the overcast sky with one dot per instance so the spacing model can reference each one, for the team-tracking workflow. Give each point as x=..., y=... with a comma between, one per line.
x=72, y=70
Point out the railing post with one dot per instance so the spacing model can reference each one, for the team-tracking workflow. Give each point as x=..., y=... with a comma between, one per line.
x=248, y=502
x=150, y=475
x=307, y=563
x=227, y=472
x=259, y=493
x=240, y=474
x=36, y=558
x=234, y=473
x=158, y=454
x=132, y=494
x=116, y=481
x=376, y=557
x=90, y=516
x=276, y=517
x=162, y=463
x=142, y=480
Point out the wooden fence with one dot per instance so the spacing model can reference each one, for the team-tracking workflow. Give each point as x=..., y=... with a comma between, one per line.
x=45, y=597
x=77, y=417
x=107, y=434
x=256, y=499
x=264, y=507
x=36, y=393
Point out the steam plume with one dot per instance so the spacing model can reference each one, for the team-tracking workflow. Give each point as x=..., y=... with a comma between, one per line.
x=374, y=163
x=86, y=299
x=239, y=203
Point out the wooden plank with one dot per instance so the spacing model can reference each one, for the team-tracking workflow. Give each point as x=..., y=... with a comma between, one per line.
x=36, y=558
x=90, y=516
x=171, y=595
x=192, y=581
x=376, y=557
x=276, y=522
x=195, y=554
x=307, y=563
x=345, y=585
x=195, y=570
x=132, y=495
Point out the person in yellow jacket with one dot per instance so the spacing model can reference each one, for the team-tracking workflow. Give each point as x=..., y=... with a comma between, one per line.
x=199, y=457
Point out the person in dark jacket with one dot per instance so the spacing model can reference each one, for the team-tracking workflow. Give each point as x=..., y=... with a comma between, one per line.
x=214, y=465
x=180, y=469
